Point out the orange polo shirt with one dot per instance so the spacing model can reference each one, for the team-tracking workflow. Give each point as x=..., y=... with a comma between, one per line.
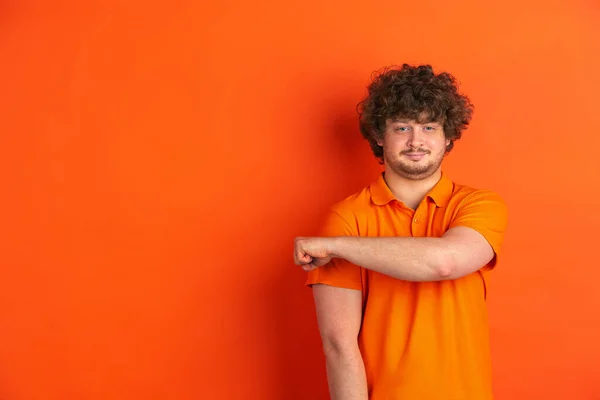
x=419, y=340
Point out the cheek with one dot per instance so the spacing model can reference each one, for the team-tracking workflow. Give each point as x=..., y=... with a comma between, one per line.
x=394, y=141
x=392, y=147
x=437, y=143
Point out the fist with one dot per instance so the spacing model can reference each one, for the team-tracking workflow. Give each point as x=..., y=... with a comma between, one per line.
x=312, y=252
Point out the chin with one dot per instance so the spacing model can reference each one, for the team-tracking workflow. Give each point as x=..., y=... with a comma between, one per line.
x=416, y=177
x=415, y=174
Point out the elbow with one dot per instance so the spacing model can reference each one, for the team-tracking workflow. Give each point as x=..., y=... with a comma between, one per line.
x=445, y=269
x=335, y=347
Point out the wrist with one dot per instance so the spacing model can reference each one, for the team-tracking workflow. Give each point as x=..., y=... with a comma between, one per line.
x=335, y=246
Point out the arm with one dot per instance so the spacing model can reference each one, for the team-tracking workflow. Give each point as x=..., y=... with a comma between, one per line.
x=339, y=314
x=461, y=251
x=471, y=242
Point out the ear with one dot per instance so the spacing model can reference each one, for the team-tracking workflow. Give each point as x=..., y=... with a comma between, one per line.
x=378, y=138
x=448, y=141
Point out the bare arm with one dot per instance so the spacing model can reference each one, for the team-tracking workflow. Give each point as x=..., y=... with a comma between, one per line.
x=339, y=314
x=459, y=252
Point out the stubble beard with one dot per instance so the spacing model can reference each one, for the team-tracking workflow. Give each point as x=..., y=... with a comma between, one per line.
x=416, y=170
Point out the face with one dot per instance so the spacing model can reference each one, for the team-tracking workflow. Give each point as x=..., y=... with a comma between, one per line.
x=413, y=150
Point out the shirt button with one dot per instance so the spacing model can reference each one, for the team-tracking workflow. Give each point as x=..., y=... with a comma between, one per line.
x=416, y=220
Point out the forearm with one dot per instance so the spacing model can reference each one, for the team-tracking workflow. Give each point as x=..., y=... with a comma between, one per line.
x=346, y=375
x=406, y=258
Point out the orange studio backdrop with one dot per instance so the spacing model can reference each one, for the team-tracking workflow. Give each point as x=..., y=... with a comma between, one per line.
x=159, y=158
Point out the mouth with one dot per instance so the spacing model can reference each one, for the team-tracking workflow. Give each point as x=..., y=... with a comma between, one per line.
x=415, y=156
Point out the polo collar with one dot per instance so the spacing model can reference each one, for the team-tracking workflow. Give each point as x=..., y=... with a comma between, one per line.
x=440, y=193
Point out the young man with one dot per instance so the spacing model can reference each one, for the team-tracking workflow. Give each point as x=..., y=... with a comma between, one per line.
x=399, y=270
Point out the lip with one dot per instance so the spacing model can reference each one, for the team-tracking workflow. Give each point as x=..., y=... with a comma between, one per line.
x=415, y=156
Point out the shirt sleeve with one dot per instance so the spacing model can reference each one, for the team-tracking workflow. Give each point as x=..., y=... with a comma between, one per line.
x=337, y=272
x=487, y=213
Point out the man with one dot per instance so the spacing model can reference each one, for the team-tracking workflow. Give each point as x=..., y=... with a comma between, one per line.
x=399, y=270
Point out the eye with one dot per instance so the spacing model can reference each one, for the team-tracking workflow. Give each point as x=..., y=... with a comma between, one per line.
x=402, y=129
x=429, y=128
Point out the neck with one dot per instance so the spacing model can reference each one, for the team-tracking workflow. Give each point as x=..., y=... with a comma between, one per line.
x=408, y=191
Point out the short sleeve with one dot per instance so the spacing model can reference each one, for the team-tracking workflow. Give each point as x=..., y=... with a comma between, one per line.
x=487, y=213
x=337, y=272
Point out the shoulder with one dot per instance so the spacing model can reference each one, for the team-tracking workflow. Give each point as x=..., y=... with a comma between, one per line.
x=478, y=201
x=347, y=212
x=353, y=204
x=464, y=194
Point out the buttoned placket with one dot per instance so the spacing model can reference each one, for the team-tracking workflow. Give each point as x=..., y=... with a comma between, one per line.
x=419, y=221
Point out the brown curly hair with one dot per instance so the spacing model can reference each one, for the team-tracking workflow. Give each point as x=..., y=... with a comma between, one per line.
x=414, y=93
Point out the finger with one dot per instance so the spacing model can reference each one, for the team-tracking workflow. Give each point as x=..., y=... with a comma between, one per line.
x=309, y=267
x=297, y=252
x=319, y=262
x=298, y=257
x=303, y=258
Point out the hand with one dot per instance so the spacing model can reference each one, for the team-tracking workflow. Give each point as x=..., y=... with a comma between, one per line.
x=312, y=252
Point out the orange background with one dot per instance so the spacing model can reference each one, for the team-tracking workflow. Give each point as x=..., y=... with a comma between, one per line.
x=158, y=159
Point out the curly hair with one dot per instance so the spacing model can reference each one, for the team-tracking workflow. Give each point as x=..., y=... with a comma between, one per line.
x=414, y=93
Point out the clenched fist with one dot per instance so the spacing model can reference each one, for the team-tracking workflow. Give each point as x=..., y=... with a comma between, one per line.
x=312, y=252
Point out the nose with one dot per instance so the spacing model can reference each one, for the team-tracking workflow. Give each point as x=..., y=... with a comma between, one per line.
x=415, y=139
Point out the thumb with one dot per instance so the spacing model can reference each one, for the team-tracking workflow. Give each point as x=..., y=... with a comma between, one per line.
x=306, y=259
